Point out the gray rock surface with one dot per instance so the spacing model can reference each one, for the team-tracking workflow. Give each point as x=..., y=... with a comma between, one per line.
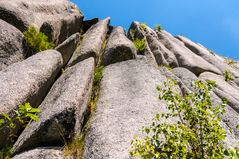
x=139, y=34
x=154, y=46
x=236, y=80
x=162, y=55
x=41, y=153
x=119, y=48
x=60, y=17
x=61, y=109
x=92, y=42
x=13, y=47
x=169, y=74
x=27, y=81
x=128, y=100
x=204, y=53
x=221, y=84
x=185, y=75
x=184, y=56
x=68, y=47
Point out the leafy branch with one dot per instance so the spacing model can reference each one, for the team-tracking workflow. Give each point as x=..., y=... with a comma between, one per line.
x=195, y=131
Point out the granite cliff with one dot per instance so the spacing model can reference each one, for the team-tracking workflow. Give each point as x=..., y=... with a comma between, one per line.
x=62, y=82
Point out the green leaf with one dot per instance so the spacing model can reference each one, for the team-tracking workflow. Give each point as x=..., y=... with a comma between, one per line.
x=2, y=121
x=7, y=117
x=32, y=116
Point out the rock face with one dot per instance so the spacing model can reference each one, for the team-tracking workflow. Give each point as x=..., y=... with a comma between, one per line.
x=162, y=55
x=27, y=81
x=57, y=18
x=104, y=113
x=68, y=47
x=236, y=81
x=13, y=47
x=119, y=48
x=61, y=109
x=222, y=84
x=184, y=56
x=91, y=43
x=204, y=53
x=41, y=153
x=128, y=100
x=136, y=32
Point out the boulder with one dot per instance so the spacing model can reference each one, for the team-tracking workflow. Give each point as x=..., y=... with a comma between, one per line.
x=184, y=56
x=41, y=153
x=64, y=107
x=68, y=47
x=13, y=47
x=162, y=55
x=205, y=54
x=119, y=48
x=57, y=18
x=92, y=42
x=127, y=101
x=139, y=34
x=27, y=81
x=88, y=23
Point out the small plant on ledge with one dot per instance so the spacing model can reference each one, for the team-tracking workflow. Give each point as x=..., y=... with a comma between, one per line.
x=230, y=61
x=158, y=27
x=140, y=45
x=227, y=76
x=143, y=26
x=36, y=40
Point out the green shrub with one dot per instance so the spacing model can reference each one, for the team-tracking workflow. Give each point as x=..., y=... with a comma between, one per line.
x=196, y=134
x=21, y=115
x=36, y=40
x=227, y=76
x=143, y=26
x=140, y=45
x=158, y=27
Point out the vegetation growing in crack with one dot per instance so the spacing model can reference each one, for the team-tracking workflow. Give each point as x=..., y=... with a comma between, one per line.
x=140, y=45
x=132, y=33
x=22, y=115
x=36, y=40
x=158, y=27
x=195, y=133
x=230, y=61
x=96, y=87
x=227, y=76
x=168, y=67
x=143, y=26
x=75, y=148
x=102, y=50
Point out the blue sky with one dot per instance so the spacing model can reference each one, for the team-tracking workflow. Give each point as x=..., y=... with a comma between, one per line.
x=213, y=23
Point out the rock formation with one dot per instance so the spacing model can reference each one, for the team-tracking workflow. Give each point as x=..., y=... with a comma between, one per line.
x=108, y=107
